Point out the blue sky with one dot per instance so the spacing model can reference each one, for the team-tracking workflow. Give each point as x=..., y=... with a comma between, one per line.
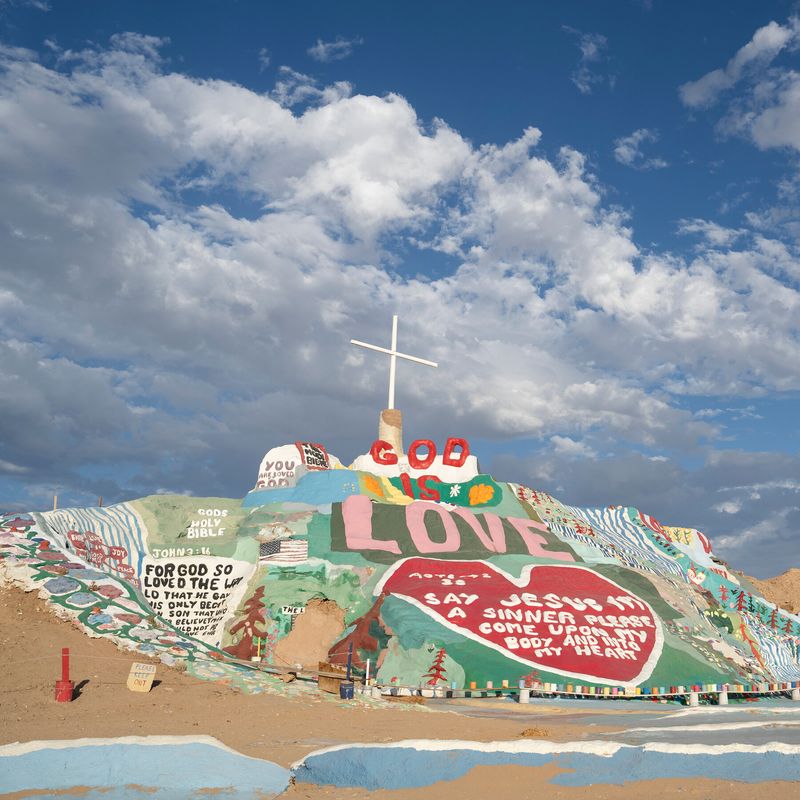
x=588, y=213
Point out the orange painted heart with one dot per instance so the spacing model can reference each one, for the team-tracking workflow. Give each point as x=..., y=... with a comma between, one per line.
x=566, y=619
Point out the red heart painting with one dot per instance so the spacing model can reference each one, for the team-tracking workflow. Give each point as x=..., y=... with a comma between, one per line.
x=566, y=619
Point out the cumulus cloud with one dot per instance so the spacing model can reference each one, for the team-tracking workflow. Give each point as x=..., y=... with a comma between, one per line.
x=159, y=335
x=628, y=150
x=565, y=446
x=593, y=47
x=336, y=50
x=264, y=59
x=766, y=43
x=766, y=107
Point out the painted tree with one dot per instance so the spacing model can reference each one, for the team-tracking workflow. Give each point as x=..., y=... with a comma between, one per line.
x=723, y=593
x=255, y=615
x=787, y=629
x=368, y=637
x=773, y=618
x=741, y=600
x=531, y=678
x=437, y=671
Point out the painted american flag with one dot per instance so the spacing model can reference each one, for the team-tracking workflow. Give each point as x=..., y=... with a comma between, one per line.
x=284, y=551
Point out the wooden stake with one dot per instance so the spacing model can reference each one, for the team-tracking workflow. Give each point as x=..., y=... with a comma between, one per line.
x=55, y=502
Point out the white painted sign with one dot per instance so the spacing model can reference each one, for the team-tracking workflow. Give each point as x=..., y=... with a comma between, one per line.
x=196, y=595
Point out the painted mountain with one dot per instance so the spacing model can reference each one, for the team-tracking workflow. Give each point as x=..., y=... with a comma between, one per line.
x=434, y=572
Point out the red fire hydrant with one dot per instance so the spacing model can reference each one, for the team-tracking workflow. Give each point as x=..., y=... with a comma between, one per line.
x=65, y=687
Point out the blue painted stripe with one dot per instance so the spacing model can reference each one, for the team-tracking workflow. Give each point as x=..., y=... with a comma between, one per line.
x=407, y=767
x=171, y=770
x=315, y=488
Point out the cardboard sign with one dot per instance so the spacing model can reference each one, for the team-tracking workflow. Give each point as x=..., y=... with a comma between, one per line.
x=141, y=677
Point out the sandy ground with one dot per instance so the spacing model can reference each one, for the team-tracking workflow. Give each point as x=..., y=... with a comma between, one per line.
x=783, y=589
x=269, y=726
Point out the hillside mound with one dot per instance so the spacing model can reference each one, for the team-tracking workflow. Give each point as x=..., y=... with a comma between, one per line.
x=418, y=565
x=782, y=590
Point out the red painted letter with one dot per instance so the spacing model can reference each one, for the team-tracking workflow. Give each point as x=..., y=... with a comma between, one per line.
x=450, y=445
x=418, y=463
x=425, y=491
x=405, y=479
x=382, y=452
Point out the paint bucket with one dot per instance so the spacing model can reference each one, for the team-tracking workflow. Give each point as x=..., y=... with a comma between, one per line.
x=346, y=690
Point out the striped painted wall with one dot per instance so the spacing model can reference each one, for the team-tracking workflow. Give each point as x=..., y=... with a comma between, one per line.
x=117, y=525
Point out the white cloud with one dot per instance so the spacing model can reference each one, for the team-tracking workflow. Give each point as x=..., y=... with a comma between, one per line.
x=336, y=50
x=765, y=45
x=628, y=150
x=565, y=446
x=713, y=234
x=144, y=326
x=13, y=469
x=593, y=47
x=39, y=5
x=264, y=59
x=765, y=108
x=295, y=88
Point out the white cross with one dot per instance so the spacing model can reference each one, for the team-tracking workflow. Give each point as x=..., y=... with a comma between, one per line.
x=394, y=354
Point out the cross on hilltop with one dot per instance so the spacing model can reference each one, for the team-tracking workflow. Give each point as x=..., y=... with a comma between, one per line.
x=390, y=427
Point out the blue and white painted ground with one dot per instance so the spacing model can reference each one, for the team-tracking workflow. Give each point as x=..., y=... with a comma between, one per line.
x=415, y=763
x=751, y=744
x=747, y=743
x=134, y=767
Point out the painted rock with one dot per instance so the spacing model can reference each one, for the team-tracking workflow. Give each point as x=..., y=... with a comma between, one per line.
x=61, y=585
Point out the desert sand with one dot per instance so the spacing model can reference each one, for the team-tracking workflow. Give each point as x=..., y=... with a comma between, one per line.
x=784, y=589
x=269, y=726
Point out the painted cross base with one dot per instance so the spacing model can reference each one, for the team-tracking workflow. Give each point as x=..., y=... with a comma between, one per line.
x=723, y=698
x=390, y=428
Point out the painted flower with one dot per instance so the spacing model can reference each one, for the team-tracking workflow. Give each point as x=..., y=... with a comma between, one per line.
x=480, y=494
